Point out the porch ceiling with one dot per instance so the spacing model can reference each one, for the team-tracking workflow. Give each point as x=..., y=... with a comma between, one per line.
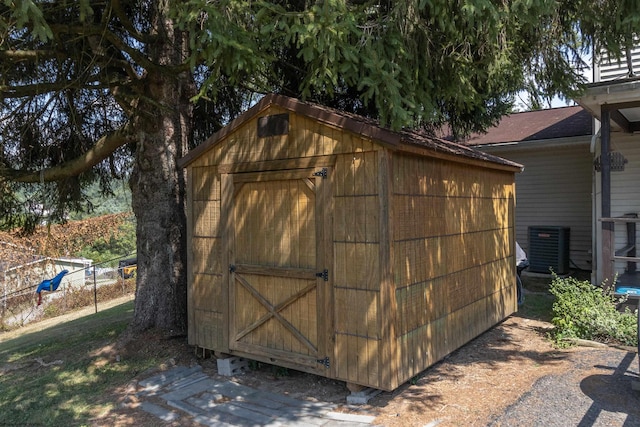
x=620, y=97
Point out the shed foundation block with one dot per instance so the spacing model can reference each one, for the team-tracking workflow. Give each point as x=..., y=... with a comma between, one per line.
x=361, y=396
x=231, y=366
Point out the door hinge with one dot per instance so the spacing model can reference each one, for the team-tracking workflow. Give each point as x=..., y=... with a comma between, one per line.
x=324, y=275
x=322, y=173
x=324, y=362
x=232, y=268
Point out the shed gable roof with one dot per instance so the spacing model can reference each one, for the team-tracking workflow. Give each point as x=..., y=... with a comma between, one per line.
x=403, y=140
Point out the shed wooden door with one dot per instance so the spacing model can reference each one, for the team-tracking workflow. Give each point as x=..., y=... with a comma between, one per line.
x=278, y=292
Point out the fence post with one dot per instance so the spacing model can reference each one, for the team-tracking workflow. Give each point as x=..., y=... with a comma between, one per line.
x=95, y=290
x=4, y=294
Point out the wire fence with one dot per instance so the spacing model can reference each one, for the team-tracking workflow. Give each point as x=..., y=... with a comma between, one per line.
x=96, y=275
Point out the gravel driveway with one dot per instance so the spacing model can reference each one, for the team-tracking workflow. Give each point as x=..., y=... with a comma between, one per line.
x=595, y=391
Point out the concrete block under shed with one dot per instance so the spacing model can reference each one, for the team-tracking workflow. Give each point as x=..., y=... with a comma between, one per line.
x=231, y=366
x=362, y=397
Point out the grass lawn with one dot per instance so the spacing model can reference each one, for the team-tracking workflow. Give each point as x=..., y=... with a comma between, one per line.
x=537, y=306
x=65, y=374
x=538, y=301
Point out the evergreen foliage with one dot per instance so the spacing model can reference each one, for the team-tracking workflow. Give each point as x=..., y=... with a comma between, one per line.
x=116, y=201
x=74, y=72
x=92, y=91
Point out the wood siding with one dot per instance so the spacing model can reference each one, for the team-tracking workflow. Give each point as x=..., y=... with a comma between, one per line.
x=206, y=290
x=354, y=205
x=454, y=260
x=307, y=139
x=555, y=189
x=419, y=252
x=357, y=269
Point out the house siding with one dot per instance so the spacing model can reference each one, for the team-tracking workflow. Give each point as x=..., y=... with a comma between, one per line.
x=613, y=69
x=555, y=190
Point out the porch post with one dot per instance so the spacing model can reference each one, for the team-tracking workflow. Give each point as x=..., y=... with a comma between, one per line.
x=605, y=175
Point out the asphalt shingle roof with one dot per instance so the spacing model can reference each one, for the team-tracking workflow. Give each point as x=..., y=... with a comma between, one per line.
x=537, y=125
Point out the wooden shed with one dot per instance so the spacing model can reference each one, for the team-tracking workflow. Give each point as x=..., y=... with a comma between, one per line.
x=321, y=242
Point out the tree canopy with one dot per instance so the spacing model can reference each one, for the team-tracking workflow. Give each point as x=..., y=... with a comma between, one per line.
x=95, y=89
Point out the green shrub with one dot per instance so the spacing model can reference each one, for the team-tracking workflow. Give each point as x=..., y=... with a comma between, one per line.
x=122, y=242
x=581, y=310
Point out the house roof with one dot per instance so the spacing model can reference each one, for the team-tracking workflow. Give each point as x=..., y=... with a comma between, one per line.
x=564, y=122
x=403, y=140
x=621, y=98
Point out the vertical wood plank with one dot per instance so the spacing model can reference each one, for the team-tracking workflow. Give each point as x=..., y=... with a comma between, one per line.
x=324, y=242
x=362, y=356
x=192, y=325
x=342, y=360
x=228, y=247
x=387, y=308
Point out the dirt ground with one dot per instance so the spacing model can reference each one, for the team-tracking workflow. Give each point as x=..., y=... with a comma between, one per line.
x=470, y=387
x=467, y=388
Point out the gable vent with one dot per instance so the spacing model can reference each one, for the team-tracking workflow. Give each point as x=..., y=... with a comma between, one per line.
x=277, y=124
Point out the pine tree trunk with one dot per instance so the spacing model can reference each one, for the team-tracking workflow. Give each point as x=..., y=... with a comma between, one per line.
x=158, y=189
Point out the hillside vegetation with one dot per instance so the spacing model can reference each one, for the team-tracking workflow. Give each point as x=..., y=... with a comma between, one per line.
x=104, y=240
x=75, y=238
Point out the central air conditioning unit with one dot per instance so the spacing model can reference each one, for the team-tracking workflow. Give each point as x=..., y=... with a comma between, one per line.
x=549, y=249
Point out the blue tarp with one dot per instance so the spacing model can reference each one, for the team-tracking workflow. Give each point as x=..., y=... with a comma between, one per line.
x=50, y=284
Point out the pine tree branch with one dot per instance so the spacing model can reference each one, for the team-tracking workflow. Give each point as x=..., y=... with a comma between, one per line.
x=20, y=55
x=141, y=59
x=100, y=151
x=116, y=6
x=7, y=91
x=100, y=33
